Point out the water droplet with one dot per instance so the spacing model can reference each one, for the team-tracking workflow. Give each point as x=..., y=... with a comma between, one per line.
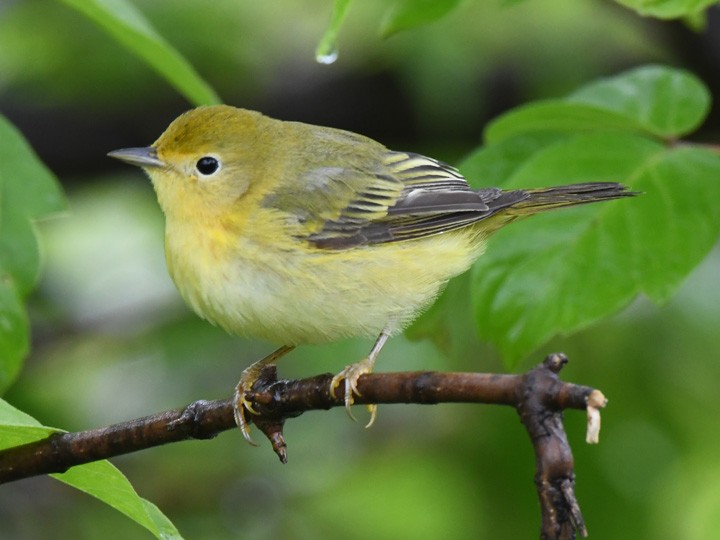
x=327, y=51
x=326, y=57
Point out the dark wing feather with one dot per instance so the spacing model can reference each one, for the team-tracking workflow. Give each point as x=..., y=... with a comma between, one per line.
x=411, y=196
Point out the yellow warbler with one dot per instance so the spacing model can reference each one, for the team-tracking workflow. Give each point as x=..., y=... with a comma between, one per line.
x=297, y=233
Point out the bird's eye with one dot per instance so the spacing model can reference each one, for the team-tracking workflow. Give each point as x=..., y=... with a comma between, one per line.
x=207, y=165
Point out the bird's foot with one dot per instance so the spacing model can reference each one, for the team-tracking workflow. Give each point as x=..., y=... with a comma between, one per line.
x=242, y=405
x=350, y=376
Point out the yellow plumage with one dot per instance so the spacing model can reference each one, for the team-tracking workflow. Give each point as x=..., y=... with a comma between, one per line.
x=300, y=234
x=285, y=294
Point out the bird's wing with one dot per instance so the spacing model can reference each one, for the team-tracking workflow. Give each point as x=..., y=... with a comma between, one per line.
x=356, y=192
x=394, y=197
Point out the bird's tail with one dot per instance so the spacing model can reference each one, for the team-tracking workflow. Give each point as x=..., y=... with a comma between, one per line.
x=539, y=200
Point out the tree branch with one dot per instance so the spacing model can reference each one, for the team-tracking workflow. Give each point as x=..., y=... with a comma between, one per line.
x=538, y=395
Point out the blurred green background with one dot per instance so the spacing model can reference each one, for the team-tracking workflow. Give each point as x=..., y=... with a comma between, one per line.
x=112, y=340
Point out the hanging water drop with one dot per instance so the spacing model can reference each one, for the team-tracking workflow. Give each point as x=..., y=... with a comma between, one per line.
x=327, y=51
x=327, y=57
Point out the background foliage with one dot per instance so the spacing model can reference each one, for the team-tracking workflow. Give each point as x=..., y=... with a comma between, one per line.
x=111, y=340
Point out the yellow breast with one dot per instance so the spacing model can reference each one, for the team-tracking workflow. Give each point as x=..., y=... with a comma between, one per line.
x=290, y=294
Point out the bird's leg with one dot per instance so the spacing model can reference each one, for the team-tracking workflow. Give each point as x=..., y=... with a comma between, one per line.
x=352, y=373
x=247, y=380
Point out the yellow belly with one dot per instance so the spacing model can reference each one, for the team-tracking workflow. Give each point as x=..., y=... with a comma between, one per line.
x=293, y=297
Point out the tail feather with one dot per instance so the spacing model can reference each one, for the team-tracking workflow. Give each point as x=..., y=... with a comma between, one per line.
x=539, y=200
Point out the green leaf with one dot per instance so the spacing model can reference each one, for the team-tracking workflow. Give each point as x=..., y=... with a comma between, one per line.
x=561, y=271
x=667, y=9
x=557, y=116
x=666, y=102
x=676, y=222
x=12, y=417
x=526, y=285
x=327, y=50
x=407, y=14
x=129, y=27
x=28, y=191
x=14, y=332
x=657, y=100
x=100, y=479
x=105, y=482
x=491, y=166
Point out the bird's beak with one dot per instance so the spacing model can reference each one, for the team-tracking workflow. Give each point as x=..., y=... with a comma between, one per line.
x=142, y=157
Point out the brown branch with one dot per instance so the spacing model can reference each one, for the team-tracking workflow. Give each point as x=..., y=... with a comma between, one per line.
x=538, y=395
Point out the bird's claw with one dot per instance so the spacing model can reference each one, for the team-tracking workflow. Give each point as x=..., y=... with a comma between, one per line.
x=349, y=376
x=242, y=405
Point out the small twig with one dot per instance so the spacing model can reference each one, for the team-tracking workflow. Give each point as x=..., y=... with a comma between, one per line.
x=554, y=474
x=538, y=395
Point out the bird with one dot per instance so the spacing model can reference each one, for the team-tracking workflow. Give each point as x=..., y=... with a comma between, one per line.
x=295, y=233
